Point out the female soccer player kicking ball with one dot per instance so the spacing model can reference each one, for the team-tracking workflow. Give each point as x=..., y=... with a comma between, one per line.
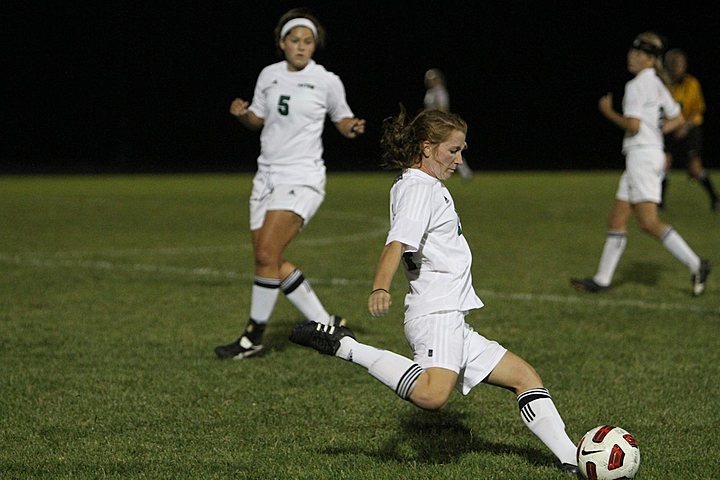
x=427, y=238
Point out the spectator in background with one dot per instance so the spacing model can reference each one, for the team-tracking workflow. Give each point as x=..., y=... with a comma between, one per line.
x=437, y=98
x=646, y=99
x=291, y=99
x=685, y=142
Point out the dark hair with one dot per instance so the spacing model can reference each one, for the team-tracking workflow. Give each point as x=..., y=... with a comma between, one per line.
x=402, y=137
x=299, y=13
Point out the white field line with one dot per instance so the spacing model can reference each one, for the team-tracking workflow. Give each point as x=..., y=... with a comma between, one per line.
x=207, y=272
x=202, y=249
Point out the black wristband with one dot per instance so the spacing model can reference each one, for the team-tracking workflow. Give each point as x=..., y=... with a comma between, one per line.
x=379, y=290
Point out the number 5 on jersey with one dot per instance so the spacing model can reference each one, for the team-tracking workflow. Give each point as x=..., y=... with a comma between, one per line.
x=283, y=107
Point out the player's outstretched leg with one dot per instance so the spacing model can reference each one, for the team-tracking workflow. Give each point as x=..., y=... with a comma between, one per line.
x=537, y=409
x=323, y=338
x=398, y=373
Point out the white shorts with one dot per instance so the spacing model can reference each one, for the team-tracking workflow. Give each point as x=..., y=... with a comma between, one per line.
x=642, y=179
x=301, y=199
x=445, y=340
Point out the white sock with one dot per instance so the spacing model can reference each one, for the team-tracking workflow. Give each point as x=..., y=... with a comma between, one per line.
x=538, y=412
x=612, y=251
x=356, y=352
x=677, y=246
x=264, y=295
x=394, y=371
x=302, y=296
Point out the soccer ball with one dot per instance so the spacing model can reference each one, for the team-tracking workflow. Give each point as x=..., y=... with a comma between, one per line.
x=608, y=453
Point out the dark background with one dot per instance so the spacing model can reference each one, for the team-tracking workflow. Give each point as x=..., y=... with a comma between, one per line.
x=118, y=86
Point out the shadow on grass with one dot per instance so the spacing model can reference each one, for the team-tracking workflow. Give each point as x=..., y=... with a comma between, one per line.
x=643, y=273
x=439, y=438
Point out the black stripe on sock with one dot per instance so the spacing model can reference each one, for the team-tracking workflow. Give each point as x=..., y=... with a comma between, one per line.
x=666, y=233
x=527, y=413
x=407, y=381
x=527, y=397
x=292, y=282
x=267, y=282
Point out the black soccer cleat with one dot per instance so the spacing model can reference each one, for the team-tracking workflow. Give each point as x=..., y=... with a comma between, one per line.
x=249, y=344
x=586, y=285
x=699, y=279
x=570, y=469
x=323, y=338
x=337, y=321
x=241, y=348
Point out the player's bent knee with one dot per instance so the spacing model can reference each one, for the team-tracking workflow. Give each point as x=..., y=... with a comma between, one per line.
x=430, y=400
x=266, y=257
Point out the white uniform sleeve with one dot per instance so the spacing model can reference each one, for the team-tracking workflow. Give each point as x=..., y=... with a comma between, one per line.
x=410, y=215
x=337, y=105
x=632, y=101
x=671, y=108
x=259, y=101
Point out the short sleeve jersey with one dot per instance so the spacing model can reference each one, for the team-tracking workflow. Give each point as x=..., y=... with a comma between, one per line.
x=647, y=99
x=688, y=94
x=437, y=259
x=293, y=106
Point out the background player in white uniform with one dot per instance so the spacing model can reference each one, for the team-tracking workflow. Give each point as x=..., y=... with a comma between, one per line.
x=438, y=98
x=426, y=237
x=291, y=100
x=645, y=103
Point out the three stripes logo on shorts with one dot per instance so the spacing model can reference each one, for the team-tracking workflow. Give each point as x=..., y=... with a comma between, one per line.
x=525, y=398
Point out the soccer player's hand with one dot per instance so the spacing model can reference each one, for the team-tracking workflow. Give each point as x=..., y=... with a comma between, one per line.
x=379, y=302
x=357, y=128
x=605, y=104
x=239, y=107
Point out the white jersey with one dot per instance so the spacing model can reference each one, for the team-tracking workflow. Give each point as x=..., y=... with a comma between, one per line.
x=293, y=106
x=437, y=258
x=647, y=99
x=437, y=98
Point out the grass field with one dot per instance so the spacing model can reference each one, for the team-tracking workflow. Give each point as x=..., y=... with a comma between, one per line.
x=114, y=291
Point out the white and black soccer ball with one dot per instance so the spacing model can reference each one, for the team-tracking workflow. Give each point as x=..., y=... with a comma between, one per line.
x=608, y=453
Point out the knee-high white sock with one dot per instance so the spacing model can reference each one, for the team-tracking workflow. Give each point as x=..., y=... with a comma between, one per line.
x=612, y=251
x=303, y=297
x=264, y=295
x=680, y=250
x=538, y=412
x=395, y=371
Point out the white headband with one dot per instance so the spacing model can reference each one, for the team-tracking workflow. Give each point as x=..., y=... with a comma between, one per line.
x=298, y=22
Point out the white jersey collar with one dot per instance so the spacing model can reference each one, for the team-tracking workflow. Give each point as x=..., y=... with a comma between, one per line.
x=308, y=67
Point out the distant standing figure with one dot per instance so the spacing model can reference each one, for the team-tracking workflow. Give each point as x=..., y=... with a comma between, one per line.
x=437, y=98
x=685, y=142
x=291, y=100
x=645, y=102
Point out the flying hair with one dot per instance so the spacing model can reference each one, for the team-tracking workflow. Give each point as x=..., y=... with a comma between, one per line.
x=402, y=136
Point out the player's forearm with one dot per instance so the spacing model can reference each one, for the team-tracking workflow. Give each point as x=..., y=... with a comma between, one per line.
x=630, y=125
x=250, y=121
x=351, y=127
x=388, y=265
x=671, y=124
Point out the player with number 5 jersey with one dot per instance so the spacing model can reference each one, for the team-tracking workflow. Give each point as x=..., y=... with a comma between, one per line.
x=291, y=100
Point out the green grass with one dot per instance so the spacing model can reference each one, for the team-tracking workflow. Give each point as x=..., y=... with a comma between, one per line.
x=114, y=290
